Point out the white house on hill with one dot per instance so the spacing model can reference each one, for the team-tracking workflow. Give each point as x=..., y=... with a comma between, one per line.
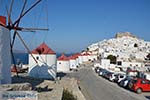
x=72, y=62
x=85, y=57
x=63, y=64
x=92, y=57
x=77, y=59
x=105, y=63
x=46, y=66
x=80, y=59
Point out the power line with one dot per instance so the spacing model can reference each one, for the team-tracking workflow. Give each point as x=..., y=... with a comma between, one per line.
x=47, y=25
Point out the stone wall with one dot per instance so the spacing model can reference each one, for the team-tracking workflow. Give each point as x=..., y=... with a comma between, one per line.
x=122, y=34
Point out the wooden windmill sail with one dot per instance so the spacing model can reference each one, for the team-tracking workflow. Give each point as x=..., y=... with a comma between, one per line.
x=14, y=25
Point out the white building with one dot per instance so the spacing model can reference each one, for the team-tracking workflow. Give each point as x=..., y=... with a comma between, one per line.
x=77, y=59
x=123, y=55
x=80, y=59
x=92, y=57
x=93, y=47
x=105, y=63
x=72, y=62
x=63, y=64
x=5, y=55
x=100, y=50
x=85, y=57
x=140, y=55
x=132, y=65
x=46, y=62
x=77, y=62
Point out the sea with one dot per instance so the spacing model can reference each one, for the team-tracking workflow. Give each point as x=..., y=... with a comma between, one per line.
x=23, y=57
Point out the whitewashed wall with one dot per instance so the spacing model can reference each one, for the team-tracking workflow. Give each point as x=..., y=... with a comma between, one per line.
x=131, y=64
x=85, y=58
x=63, y=66
x=46, y=62
x=73, y=64
x=5, y=56
x=50, y=59
x=92, y=57
x=105, y=63
x=77, y=62
x=80, y=59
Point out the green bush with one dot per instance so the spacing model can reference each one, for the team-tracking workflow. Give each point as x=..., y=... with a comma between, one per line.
x=112, y=58
x=67, y=95
x=135, y=45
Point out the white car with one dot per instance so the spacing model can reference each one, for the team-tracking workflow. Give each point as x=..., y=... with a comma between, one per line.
x=112, y=77
x=120, y=78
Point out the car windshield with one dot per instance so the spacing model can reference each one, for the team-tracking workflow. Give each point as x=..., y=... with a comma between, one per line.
x=115, y=75
x=125, y=79
x=134, y=81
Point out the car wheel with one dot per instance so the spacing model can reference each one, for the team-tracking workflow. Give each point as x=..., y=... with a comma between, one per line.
x=111, y=80
x=139, y=90
x=121, y=84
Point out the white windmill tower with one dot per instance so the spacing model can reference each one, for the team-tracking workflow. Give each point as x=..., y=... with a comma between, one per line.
x=6, y=43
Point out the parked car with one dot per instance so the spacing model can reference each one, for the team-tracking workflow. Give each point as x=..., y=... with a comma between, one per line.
x=139, y=85
x=108, y=75
x=119, y=78
x=104, y=74
x=125, y=82
x=113, y=77
x=97, y=69
x=102, y=71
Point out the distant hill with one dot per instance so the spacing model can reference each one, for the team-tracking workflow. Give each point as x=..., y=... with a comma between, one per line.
x=125, y=45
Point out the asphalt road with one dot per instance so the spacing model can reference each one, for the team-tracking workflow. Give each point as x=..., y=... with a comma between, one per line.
x=95, y=87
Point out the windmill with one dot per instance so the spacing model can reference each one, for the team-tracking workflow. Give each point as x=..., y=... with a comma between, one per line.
x=15, y=27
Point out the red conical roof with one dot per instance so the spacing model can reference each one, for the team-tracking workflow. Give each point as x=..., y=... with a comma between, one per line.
x=77, y=55
x=74, y=56
x=3, y=20
x=43, y=49
x=71, y=57
x=63, y=57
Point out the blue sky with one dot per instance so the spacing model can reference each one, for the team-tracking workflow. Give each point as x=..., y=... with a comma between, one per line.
x=75, y=24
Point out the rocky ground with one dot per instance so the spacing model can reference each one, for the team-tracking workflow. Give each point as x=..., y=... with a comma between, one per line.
x=47, y=89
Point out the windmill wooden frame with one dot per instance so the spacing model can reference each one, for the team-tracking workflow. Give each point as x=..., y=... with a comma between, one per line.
x=15, y=26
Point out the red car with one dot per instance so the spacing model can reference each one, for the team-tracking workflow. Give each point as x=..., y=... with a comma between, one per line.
x=138, y=85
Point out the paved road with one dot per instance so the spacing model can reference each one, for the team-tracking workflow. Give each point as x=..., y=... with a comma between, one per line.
x=98, y=88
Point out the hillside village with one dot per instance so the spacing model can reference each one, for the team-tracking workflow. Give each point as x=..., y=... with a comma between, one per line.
x=129, y=50
x=126, y=47
x=115, y=68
